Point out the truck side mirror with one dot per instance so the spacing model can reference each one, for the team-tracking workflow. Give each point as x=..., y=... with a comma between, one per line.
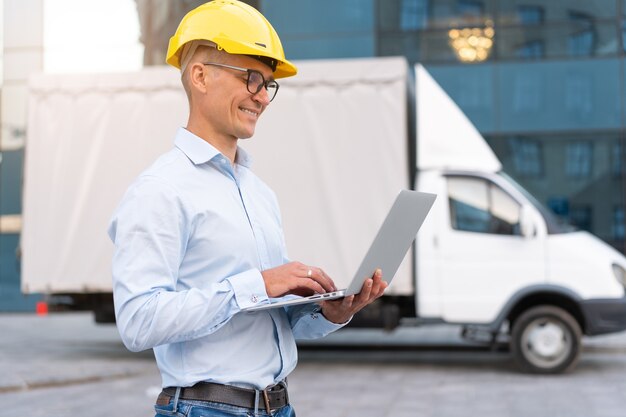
x=526, y=222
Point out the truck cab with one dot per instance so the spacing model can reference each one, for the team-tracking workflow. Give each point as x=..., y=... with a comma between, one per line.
x=494, y=259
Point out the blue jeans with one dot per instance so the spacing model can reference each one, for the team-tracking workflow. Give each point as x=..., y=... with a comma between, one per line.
x=188, y=408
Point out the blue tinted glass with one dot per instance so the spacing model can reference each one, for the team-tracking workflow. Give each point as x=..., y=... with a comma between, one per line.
x=311, y=29
x=11, y=297
x=471, y=88
x=526, y=11
x=578, y=157
x=329, y=47
x=469, y=218
x=413, y=14
x=565, y=40
x=617, y=226
x=527, y=157
x=581, y=41
x=617, y=158
x=474, y=8
x=319, y=17
x=11, y=164
x=530, y=15
x=580, y=184
x=582, y=217
x=557, y=95
x=531, y=50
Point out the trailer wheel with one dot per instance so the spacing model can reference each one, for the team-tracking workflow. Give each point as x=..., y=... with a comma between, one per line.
x=546, y=340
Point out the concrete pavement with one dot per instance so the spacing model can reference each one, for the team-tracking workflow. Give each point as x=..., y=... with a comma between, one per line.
x=69, y=348
x=61, y=349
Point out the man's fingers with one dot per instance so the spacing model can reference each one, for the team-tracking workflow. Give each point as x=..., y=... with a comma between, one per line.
x=319, y=276
x=378, y=284
x=347, y=301
x=381, y=290
x=311, y=284
x=328, y=279
x=366, y=290
x=377, y=290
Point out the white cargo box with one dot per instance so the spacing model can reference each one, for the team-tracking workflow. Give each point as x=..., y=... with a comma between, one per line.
x=333, y=145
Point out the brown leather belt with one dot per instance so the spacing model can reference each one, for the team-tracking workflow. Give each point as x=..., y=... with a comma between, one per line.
x=269, y=399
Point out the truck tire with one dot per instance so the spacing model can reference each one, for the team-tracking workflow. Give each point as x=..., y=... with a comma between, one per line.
x=546, y=340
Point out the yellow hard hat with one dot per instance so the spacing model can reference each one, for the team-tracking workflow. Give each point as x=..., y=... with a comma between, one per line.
x=235, y=27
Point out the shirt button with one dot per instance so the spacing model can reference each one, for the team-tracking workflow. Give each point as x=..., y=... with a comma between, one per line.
x=254, y=298
x=314, y=316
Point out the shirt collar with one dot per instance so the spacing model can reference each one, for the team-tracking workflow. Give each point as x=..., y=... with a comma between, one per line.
x=200, y=151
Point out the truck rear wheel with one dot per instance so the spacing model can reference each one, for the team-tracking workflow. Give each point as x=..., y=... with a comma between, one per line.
x=546, y=340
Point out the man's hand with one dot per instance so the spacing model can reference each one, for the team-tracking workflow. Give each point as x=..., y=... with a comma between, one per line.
x=340, y=311
x=296, y=278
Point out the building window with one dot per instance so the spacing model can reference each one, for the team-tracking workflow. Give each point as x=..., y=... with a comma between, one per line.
x=559, y=206
x=530, y=15
x=528, y=93
x=578, y=157
x=579, y=95
x=413, y=14
x=471, y=8
x=581, y=41
x=580, y=216
x=527, y=157
x=531, y=50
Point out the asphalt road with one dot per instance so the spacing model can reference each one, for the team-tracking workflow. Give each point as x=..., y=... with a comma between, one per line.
x=65, y=365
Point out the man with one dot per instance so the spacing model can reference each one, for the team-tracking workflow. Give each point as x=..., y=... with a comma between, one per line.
x=198, y=236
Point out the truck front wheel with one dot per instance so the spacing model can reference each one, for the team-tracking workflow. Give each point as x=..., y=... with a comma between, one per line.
x=546, y=340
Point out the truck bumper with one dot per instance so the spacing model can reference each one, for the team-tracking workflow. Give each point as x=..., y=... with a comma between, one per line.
x=604, y=315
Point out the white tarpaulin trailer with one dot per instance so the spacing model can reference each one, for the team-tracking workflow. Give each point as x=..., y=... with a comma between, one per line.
x=332, y=145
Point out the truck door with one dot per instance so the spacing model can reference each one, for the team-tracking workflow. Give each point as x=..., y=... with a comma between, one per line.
x=485, y=257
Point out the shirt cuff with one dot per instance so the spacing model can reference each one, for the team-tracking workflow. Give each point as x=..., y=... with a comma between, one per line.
x=249, y=288
x=339, y=325
x=323, y=322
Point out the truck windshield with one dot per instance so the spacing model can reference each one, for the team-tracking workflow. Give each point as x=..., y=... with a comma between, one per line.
x=554, y=224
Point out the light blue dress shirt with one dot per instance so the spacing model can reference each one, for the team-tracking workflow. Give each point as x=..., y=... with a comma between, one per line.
x=192, y=235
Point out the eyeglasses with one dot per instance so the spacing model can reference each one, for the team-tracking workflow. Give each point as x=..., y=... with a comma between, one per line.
x=255, y=80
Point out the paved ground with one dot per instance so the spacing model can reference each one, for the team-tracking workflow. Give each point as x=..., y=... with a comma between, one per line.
x=64, y=365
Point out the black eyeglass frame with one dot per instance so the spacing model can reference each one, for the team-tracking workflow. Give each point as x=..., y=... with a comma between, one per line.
x=265, y=83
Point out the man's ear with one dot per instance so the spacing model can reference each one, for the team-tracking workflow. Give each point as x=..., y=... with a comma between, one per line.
x=197, y=77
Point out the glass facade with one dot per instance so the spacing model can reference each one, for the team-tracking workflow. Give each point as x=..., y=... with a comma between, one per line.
x=324, y=28
x=543, y=81
x=11, y=298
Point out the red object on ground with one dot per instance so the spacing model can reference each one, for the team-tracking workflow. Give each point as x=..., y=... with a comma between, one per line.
x=41, y=308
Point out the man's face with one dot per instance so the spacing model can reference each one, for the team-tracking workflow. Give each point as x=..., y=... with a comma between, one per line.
x=231, y=110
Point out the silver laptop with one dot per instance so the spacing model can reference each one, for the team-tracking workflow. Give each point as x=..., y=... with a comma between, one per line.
x=387, y=251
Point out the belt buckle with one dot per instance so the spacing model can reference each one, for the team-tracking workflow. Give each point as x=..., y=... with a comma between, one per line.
x=266, y=400
x=163, y=399
x=283, y=384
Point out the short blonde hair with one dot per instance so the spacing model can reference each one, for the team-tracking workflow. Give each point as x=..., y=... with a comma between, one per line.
x=198, y=51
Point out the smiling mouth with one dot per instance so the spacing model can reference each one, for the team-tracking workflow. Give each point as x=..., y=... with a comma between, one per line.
x=250, y=112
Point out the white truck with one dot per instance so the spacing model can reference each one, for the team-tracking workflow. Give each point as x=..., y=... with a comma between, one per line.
x=336, y=145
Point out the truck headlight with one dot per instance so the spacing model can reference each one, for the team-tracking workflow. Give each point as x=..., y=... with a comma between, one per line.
x=620, y=274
